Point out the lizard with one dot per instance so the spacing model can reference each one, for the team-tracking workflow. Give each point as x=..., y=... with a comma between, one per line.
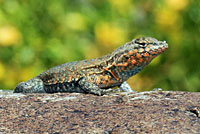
x=97, y=76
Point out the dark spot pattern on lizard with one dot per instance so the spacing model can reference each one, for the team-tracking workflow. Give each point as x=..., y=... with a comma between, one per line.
x=96, y=76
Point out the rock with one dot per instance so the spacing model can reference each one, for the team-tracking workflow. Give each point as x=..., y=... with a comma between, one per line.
x=123, y=113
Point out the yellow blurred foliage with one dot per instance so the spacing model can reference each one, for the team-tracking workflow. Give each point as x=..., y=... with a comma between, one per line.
x=108, y=34
x=137, y=82
x=92, y=52
x=14, y=76
x=27, y=74
x=75, y=21
x=155, y=61
x=166, y=18
x=2, y=71
x=10, y=77
x=177, y=4
x=9, y=35
x=176, y=37
x=121, y=5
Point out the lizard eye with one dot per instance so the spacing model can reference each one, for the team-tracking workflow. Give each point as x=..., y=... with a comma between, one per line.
x=142, y=43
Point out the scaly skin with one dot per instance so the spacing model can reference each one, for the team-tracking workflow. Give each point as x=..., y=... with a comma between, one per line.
x=96, y=76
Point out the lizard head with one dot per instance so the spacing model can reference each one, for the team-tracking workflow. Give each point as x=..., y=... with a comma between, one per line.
x=31, y=86
x=147, y=48
x=150, y=45
x=139, y=52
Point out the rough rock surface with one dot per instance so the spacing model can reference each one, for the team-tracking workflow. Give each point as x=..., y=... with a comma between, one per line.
x=124, y=113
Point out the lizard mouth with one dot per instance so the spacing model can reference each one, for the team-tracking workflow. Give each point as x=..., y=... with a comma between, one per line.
x=157, y=48
x=161, y=47
x=164, y=46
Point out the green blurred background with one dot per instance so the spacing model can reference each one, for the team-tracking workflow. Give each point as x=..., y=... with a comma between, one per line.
x=38, y=34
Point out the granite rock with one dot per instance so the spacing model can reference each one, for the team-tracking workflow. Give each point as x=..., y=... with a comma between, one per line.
x=127, y=113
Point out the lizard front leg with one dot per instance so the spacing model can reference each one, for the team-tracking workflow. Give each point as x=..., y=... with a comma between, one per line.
x=91, y=88
x=125, y=87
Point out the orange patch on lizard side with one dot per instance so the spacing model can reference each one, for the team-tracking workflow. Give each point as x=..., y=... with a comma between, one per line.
x=106, y=77
x=111, y=73
x=103, y=82
x=153, y=52
x=141, y=50
x=125, y=64
x=150, y=57
x=130, y=52
x=140, y=60
x=135, y=51
x=133, y=61
x=146, y=54
x=159, y=50
x=147, y=49
x=69, y=79
x=98, y=80
x=122, y=65
x=138, y=56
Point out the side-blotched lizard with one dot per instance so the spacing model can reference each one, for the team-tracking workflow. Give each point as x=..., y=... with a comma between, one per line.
x=96, y=76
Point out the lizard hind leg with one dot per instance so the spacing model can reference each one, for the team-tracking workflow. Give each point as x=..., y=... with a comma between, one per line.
x=91, y=88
